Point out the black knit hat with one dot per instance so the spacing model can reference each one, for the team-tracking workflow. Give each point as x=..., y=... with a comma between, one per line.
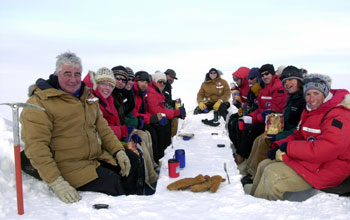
x=268, y=67
x=120, y=70
x=142, y=76
x=291, y=72
x=131, y=74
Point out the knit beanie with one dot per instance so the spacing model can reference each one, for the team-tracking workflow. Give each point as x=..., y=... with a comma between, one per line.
x=254, y=73
x=120, y=70
x=102, y=75
x=142, y=76
x=158, y=75
x=291, y=72
x=131, y=74
x=319, y=82
x=268, y=67
x=280, y=70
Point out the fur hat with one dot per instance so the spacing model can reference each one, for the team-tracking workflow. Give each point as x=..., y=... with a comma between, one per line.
x=171, y=73
x=120, y=70
x=142, y=76
x=280, y=70
x=158, y=75
x=254, y=73
x=319, y=82
x=291, y=72
x=267, y=67
x=102, y=74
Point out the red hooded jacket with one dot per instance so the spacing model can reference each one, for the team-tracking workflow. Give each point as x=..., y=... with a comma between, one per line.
x=319, y=149
x=242, y=73
x=139, y=97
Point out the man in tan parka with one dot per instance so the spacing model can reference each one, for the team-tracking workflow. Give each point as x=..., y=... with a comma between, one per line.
x=213, y=94
x=70, y=143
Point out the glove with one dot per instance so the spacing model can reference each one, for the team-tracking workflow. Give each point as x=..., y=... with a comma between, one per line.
x=279, y=155
x=202, y=106
x=124, y=163
x=255, y=89
x=130, y=129
x=141, y=122
x=182, y=112
x=237, y=104
x=271, y=154
x=247, y=119
x=136, y=138
x=283, y=147
x=265, y=113
x=64, y=190
x=163, y=121
x=271, y=137
x=240, y=112
x=217, y=105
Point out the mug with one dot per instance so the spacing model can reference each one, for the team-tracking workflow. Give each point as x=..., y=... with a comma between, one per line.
x=241, y=124
x=173, y=165
x=180, y=155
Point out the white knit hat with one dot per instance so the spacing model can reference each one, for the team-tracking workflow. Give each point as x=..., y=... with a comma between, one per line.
x=102, y=74
x=158, y=75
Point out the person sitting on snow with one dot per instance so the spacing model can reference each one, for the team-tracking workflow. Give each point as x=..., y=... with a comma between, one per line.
x=272, y=98
x=292, y=80
x=70, y=143
x=317, y=154
x=156, y=104
x=213, y=94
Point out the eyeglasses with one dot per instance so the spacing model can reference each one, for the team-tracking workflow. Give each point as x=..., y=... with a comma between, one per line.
x=161, y=81
x=119, y=78
x=265, y=73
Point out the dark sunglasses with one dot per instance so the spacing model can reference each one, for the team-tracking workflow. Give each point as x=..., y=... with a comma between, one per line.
x=119, y=78
x=251, y=78
x=161, y=81
x=265, y=73
x=213, y=72
x=131, y=79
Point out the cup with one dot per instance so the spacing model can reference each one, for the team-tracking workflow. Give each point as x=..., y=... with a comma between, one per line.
x=173, y=167
x=216, y=116
x=205, y=110
x=241, y=124
x=180, y=155
x=163, y=120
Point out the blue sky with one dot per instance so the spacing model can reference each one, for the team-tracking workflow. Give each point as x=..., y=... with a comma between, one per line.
x=188, y=36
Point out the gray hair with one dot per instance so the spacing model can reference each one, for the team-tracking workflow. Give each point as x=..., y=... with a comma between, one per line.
x=67, y=58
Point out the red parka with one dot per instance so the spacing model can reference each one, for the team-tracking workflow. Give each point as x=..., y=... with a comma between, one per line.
x=242, y=73
x=139, y=97
x=272, y=97
x=319, y=149
x=156, y=102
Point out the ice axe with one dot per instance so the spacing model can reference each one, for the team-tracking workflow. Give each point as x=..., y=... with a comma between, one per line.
x=15, y=106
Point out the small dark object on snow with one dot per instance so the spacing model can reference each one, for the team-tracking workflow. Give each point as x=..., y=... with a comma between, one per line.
x=100, y=206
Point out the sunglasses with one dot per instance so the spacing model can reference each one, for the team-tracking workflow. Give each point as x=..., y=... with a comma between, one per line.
x=251, y=78
x=213, y=72
x=131, y=79
x=161, y=82
x=119, y=78
x=265, y=73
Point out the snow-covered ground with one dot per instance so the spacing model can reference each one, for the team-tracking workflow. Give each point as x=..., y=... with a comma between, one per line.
x=202, y=157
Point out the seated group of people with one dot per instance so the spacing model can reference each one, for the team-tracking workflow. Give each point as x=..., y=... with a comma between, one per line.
x=313, y=148
x=104, y=134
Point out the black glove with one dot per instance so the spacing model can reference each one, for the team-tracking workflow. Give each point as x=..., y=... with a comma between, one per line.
x=271, y=137
x=136, y=139
x=271, y=154
x=283, y=147
x=153, y=119
x=141, y=122
x=265, y=113
x=182, y=112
